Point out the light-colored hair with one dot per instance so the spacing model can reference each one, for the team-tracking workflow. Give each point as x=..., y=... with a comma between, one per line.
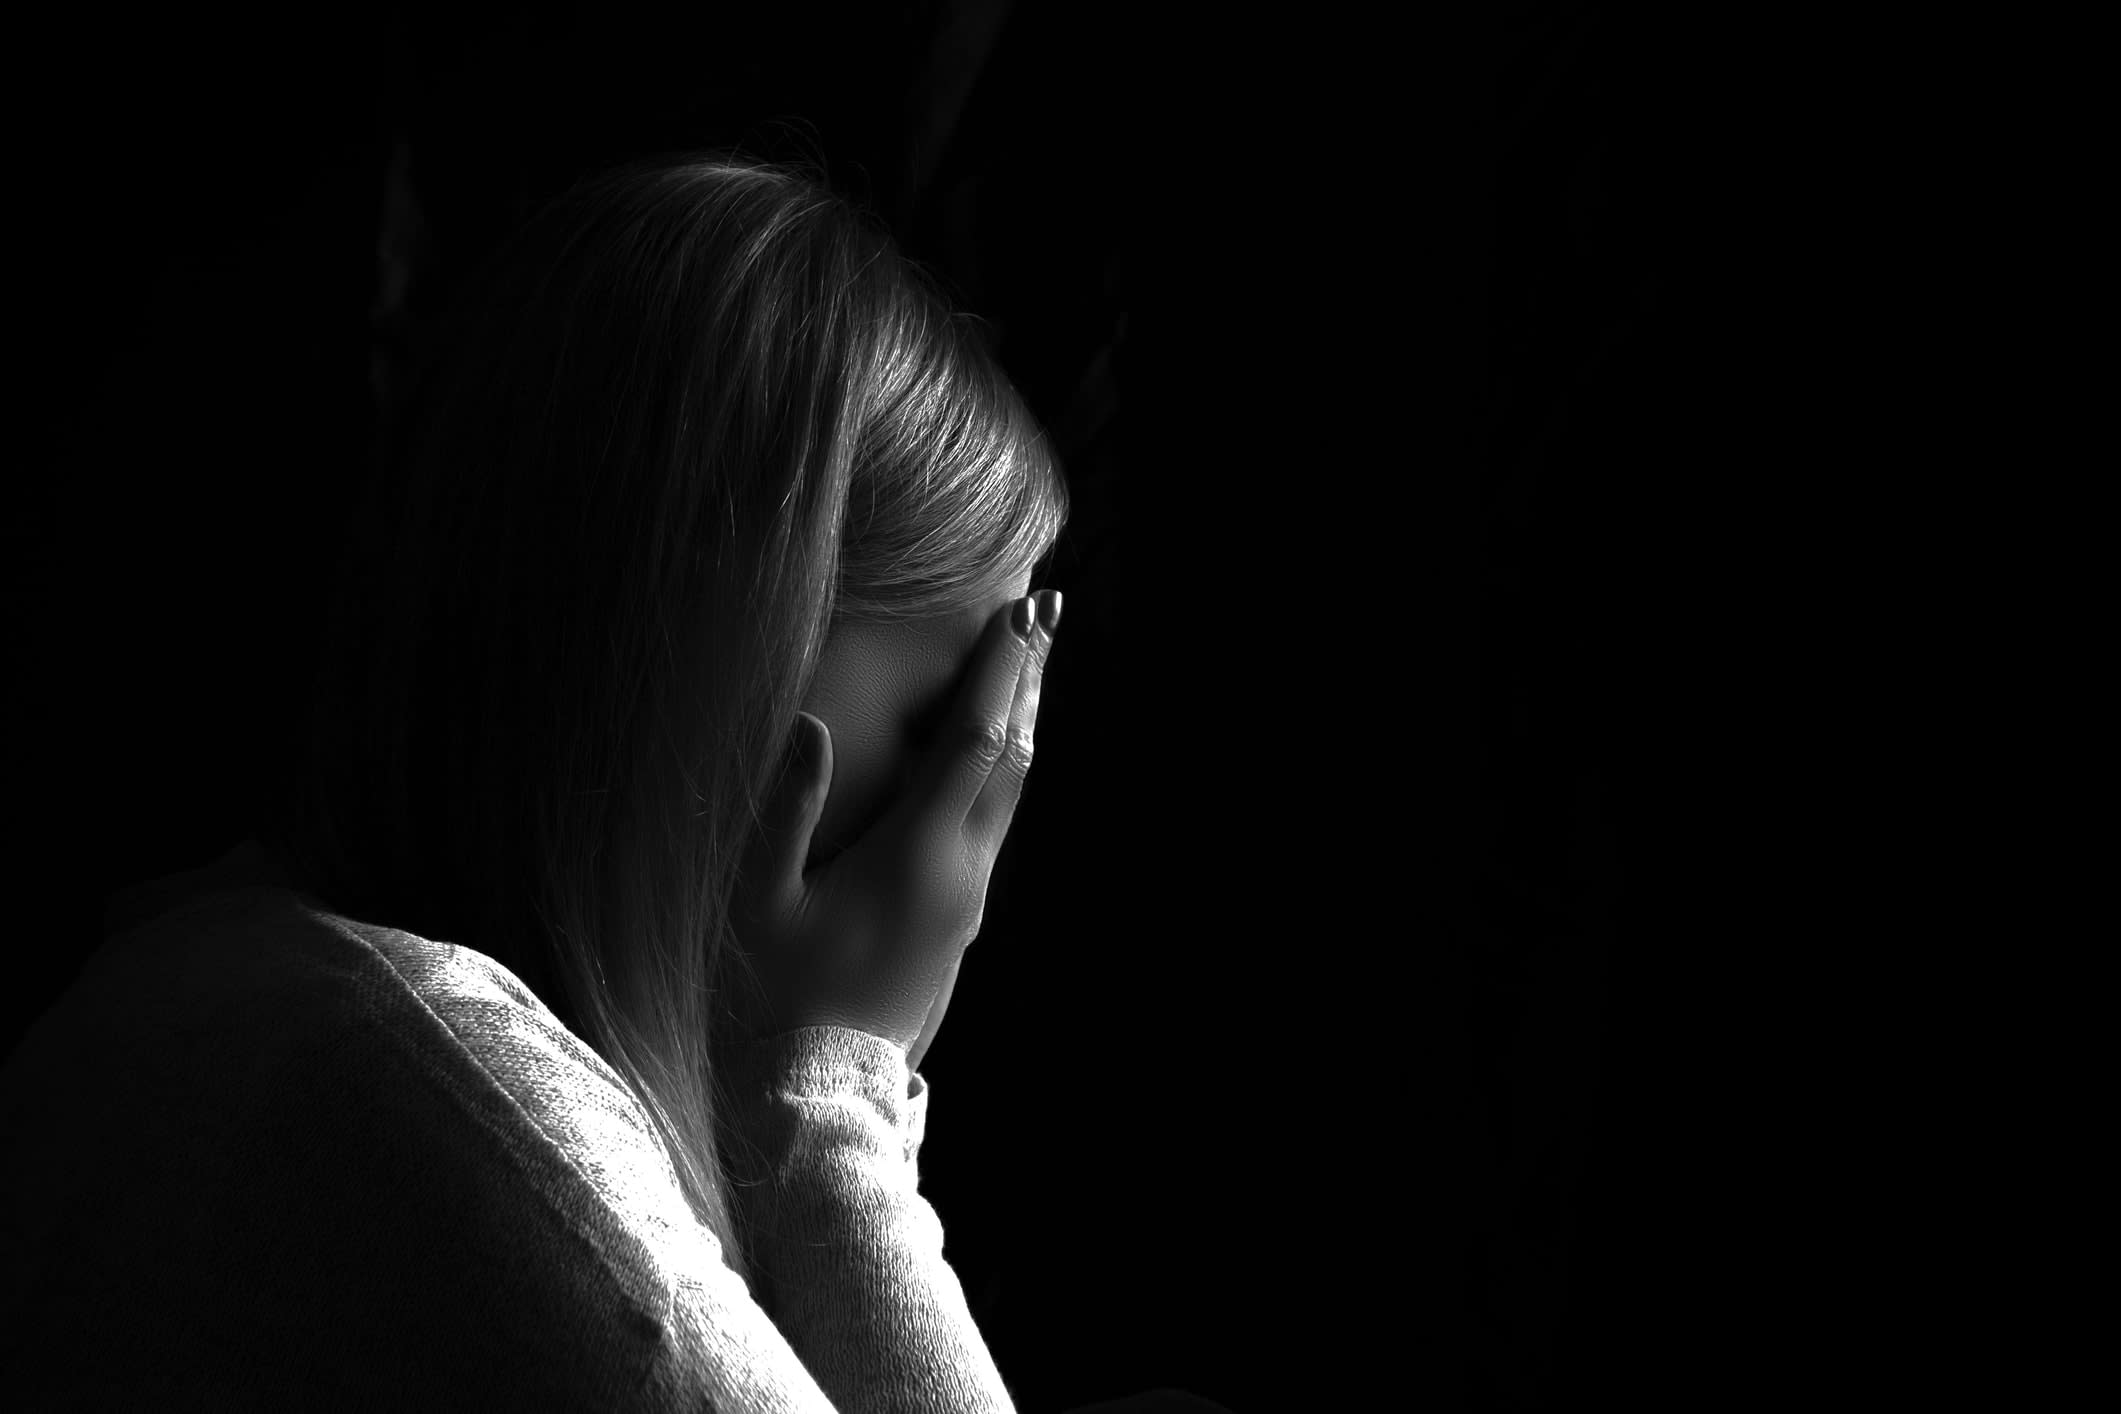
x=697, y=412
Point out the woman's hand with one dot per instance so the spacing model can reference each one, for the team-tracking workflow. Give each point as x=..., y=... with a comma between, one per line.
x=872, y=939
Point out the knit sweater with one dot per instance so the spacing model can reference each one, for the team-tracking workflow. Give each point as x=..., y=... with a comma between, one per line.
x=261, y=1155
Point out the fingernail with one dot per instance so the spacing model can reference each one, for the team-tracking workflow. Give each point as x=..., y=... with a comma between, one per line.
x=1021, y=621
x=1049, y=610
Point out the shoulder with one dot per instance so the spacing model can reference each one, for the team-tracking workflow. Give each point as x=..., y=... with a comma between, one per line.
x=445, y=1162
x=506, y=1064
x=489, y=1041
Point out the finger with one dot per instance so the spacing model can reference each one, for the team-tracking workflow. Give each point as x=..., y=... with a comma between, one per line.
x=977, y=734
x=996, y=806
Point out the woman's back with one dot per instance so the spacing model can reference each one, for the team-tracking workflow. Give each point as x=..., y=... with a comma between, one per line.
x=266, y=1156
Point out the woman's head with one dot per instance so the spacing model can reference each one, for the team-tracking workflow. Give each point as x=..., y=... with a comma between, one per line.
x=699, y=429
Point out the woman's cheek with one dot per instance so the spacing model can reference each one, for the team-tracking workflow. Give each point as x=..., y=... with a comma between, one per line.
x=859, y=794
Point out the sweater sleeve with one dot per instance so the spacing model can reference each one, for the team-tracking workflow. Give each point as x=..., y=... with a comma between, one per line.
x=847, y=1256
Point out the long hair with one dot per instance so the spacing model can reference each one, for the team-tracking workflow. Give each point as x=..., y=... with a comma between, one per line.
x=698, y=411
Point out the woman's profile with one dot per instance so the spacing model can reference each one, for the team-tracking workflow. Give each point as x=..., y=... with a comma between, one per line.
x=557, y=1040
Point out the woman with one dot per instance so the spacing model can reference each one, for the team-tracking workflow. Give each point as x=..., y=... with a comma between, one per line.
x=557, y=1043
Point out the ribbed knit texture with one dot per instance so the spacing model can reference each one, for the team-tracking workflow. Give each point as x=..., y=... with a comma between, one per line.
x=261, y=1156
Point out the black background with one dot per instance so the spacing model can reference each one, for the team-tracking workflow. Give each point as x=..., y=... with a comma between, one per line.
x=1343, y=901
